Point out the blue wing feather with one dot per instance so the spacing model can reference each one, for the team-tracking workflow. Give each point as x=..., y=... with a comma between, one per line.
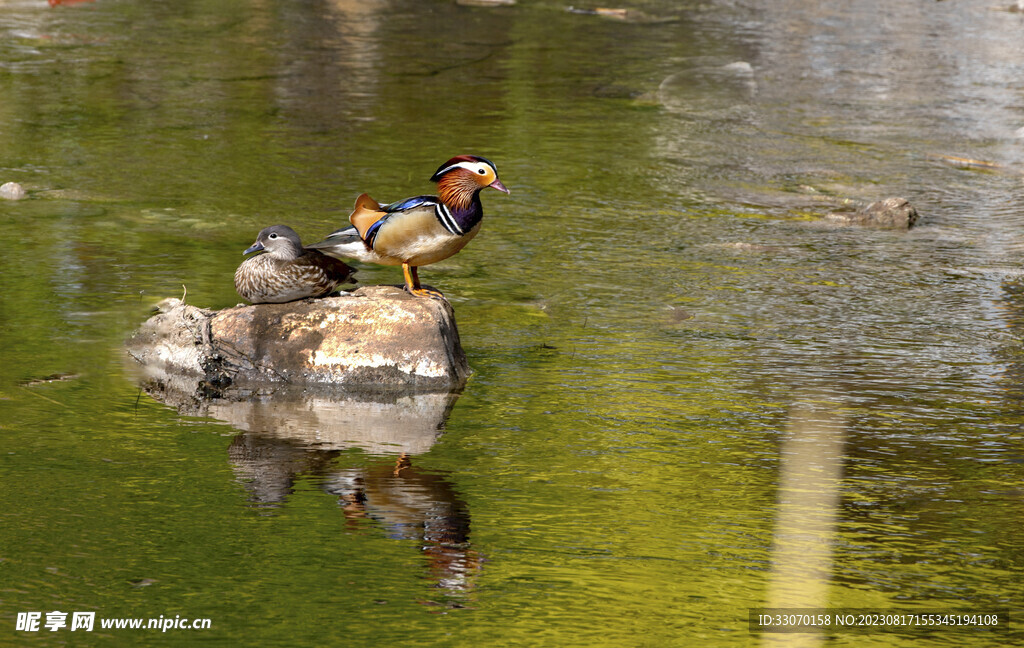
x=349, y=235
x=371, y=233
x=410, y=203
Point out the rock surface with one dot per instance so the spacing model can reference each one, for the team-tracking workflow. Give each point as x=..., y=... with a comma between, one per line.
x=892, y=213
x=12, y=191
x=377, y=338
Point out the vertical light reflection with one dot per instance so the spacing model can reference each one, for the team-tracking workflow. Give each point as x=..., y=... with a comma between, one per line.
x=811, y=467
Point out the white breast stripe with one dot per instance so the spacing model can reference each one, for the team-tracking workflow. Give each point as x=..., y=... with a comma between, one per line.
x=447, y=220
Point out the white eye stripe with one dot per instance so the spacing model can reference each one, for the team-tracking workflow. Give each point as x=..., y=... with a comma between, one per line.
x=469, y=166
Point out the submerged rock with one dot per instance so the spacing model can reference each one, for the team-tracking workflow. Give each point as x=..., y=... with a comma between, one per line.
x=375, y=338
x=892, y=213
x=710, y=91
x=12, y=191
x=623, y=14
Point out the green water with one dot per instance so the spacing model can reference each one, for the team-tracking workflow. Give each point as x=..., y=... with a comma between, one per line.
x=671, y=350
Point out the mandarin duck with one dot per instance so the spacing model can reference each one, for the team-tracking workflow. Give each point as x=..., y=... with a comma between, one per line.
x=421, y=230
x=286, y=271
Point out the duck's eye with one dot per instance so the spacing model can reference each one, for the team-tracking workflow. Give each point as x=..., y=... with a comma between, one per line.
x=272, y=236
x=482, y=171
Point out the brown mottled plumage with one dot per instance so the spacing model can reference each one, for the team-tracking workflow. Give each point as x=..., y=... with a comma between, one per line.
x=286, y=271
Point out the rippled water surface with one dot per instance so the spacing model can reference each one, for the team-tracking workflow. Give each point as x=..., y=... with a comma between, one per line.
x=694, y=394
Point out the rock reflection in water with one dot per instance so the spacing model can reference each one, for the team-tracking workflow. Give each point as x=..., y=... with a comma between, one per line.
x=379, y=424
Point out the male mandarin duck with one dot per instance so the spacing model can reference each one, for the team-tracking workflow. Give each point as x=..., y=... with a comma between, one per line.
x=421, y=230
x=286, y=271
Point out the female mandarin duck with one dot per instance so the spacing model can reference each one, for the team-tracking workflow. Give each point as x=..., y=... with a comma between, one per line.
x=421, y=230
x=286, y=271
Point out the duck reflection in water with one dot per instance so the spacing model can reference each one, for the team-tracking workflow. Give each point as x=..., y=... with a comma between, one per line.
x=409, y=503
x=282, y=445
x=301, y=434
x=413, y=505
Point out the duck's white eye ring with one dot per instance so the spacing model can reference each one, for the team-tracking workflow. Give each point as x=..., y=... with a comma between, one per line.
x=273, y=236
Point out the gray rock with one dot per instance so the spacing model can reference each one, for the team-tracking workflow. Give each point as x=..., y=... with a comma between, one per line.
x=377, y=338
x=12, y=191
x=891, y=213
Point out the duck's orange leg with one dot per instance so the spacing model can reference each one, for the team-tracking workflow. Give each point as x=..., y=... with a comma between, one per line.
x=412, y=283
